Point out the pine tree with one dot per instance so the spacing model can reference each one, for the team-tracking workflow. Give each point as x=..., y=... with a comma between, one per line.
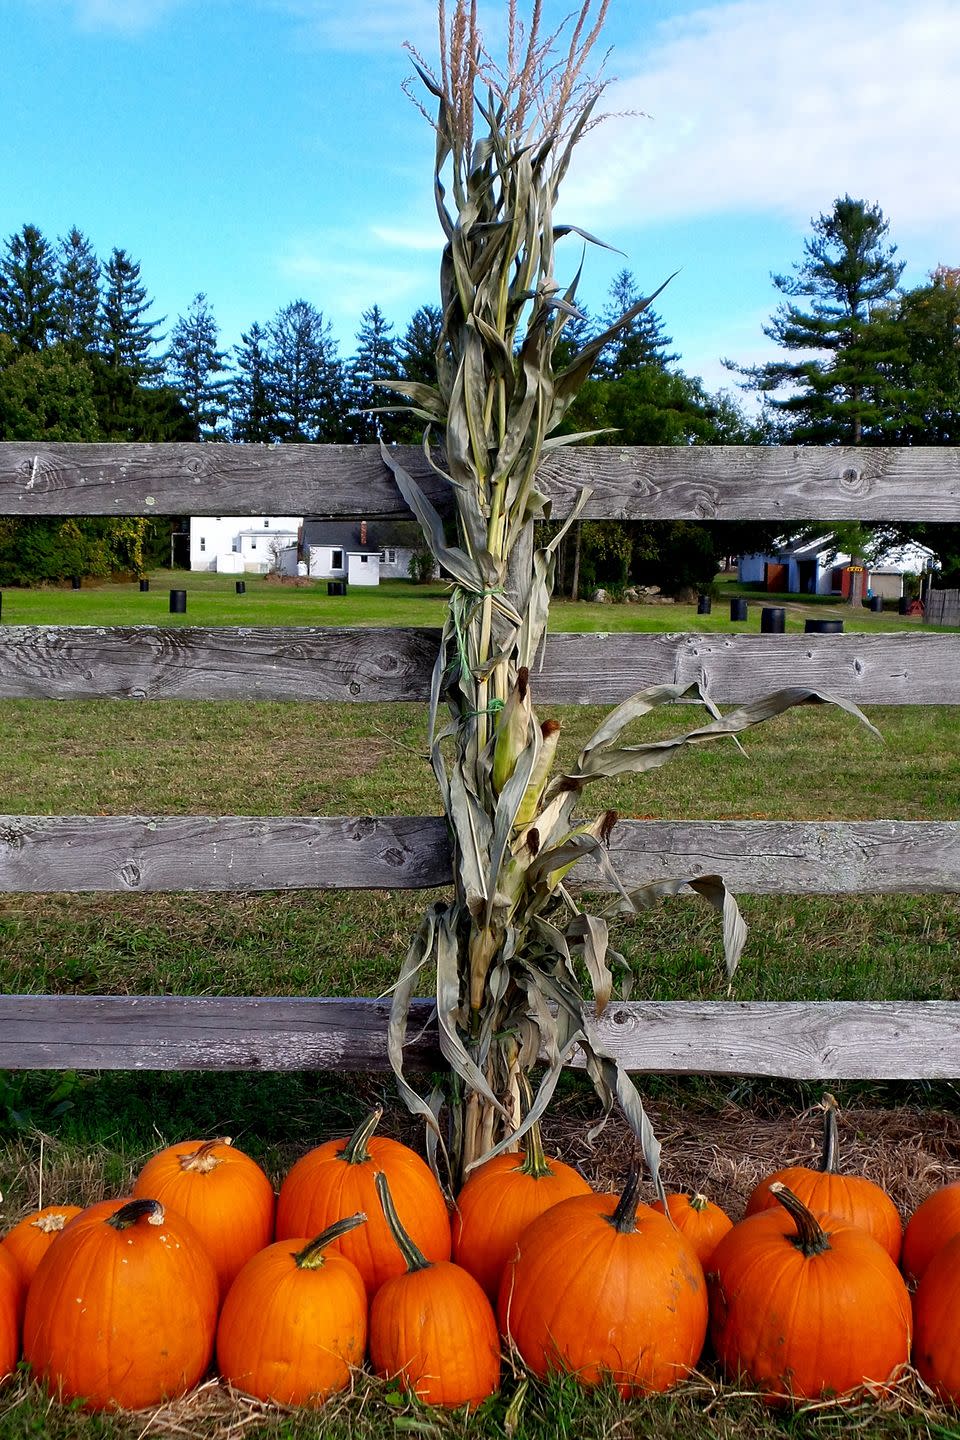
x=251, y=409
x=844, y=385
x=642, y=342
x=306, y=376
x=192, y=364
x=375, y=359
x=27, y=289
x=127, y=339
x=417, y=347
x=76, y=306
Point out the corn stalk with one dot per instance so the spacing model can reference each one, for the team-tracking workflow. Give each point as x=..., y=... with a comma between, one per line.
x=508, y=949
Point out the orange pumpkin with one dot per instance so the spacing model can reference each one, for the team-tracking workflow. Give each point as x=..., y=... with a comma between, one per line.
x=606, y=1288
x=931, y=1225
x=936, y=1314
x=850, y=1197
x=294, y=1324
x=803, y=1307
x=698, y=1219
x=31, y=1237
x=338, y=1179
x=499, y=1201
x=13, y=1292
x=123, y=1308
x=431, y=1327
x=224, y=1194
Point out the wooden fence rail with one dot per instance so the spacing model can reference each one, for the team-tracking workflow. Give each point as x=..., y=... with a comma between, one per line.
x=139, y=854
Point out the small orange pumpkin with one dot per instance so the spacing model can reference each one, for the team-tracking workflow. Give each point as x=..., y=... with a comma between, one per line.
x=806, y=1306
x=31, y=1237
x=698, y=1219
x=850, y=1197
x=432, y=1327
x=122, y=1310
x=936, y=1314
x=338, y=1179
x=224, y=1195
x=499, y=1201
x=935, y=1221
x=294, y=1324
x=607, y=1289
x=13, y=1292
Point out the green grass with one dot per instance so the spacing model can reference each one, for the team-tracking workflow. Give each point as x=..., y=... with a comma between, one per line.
x=212, y=600
x=171, y=757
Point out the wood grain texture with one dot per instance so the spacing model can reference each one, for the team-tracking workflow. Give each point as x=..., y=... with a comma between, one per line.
x=143, y=854
x=640, y=482
x=815, y=1040
x=378, y=664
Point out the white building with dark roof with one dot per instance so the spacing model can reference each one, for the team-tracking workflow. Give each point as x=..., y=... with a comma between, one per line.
x=241, y=544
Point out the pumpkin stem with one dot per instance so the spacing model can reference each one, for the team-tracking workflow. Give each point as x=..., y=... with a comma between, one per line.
x=698, y=1202
x=535, y=1163
x=355, y=1151
x=134, y=1211
x=415, y=1259
x=311, y=1257
x=810, y=1237
x=624, y=1218
x=204, y=1159
x=831, y=1139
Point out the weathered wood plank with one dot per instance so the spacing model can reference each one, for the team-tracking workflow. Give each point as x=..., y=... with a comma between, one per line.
x=141, y=854
x=640, y=482
x=796, y=1040
x=377, y=664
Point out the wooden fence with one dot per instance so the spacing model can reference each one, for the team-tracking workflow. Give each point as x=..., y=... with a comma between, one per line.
x=222, y=853
x=943, y=607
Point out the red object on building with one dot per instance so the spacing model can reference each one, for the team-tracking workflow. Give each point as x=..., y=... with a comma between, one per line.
x=363, y=532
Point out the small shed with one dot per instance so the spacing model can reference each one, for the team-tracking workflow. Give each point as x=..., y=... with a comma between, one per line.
x=358, y=551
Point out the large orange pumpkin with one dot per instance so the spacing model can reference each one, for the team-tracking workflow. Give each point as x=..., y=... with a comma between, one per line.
x=31, y=1237
x=13, y=1292
x=850, y=1197
x=339, y=1179
x=931, y=1225
x=294, y=1324
x=805, y=1306
x=431, y=1327
x=606, y=1288
x=698, y=1219
x=936, y=1314
x=224, y=1194
x=499, y=1201
x=123, y=1308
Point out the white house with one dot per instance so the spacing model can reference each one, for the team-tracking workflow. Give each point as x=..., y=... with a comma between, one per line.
x=241, y=544
x=815, y=567
x=359, y=551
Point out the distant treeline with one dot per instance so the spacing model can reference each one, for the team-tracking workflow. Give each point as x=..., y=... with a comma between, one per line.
x=82, y=359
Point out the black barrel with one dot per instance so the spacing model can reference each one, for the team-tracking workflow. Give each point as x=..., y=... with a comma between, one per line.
x=75, y=583
x=876, y=603
x=703, y=604
x=144, y=586
x=241, y=587
x=823, y=627
x=178, y=602
x=336, y=587
x=738, y=608
x=903, y=605
x=773, y=620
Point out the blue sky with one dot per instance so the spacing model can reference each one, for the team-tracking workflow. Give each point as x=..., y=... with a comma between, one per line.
x=262, y=151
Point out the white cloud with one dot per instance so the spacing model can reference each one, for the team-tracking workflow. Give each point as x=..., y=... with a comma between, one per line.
x=364, y=25
x=760, y=106
x=124, y=17
x=347, y=273
x=426, y=240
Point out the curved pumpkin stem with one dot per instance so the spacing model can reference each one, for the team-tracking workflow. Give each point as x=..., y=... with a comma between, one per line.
x=134, y=1211
x=811, y=1238
x=535, y=1163
x=698, y=1202
x=311, y=1257
x=204, y=1159
x=355, y=1151
x=831, y=1140
x=415, y=1258
x=624, y=1218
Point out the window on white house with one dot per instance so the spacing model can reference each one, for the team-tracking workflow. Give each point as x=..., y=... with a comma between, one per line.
x=364, y=559
x=336, y=560
x=266, y=524
x=203, y=543
x=389, y=557
x=235, y=547
x=253, y=544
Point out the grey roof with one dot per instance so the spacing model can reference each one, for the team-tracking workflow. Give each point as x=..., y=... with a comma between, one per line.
x=345, y=534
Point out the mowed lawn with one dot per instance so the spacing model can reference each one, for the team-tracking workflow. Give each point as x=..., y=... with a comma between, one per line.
x=105, y=757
